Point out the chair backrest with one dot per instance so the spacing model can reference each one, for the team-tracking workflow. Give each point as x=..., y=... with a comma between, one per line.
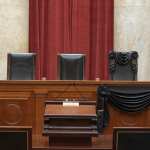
x=21, y=66
x=71, y=66
x=131, y=138
x=15, y=138
x=123, y=65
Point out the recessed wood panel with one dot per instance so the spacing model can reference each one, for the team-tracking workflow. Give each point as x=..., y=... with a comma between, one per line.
x=16, y=111
x=15, y=138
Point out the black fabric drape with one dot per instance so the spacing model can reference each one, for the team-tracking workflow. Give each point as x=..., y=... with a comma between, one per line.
x=128, y=99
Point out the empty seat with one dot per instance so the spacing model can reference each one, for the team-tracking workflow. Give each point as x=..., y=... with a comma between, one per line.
x=21, y=66
x=71, y=66
x=123, y=65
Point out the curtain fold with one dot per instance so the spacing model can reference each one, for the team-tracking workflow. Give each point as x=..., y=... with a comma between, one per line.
x=71, y=26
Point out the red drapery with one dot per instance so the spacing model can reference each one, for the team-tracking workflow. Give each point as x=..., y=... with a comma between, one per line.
x=71, y=26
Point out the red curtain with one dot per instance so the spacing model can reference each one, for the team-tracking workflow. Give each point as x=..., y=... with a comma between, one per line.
x=71, y=26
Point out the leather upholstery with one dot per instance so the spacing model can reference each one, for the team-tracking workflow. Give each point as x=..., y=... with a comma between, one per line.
x=71, y=66
x=21, y=66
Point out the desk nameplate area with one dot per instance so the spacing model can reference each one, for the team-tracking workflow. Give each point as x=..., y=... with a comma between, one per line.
x=76, y=124
x=70, y=104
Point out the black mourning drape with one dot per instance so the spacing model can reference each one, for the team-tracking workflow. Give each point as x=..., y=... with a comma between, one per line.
x=128, y=99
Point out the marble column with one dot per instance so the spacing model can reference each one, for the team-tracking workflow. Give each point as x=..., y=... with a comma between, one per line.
x=132, y=31
x=13, y=30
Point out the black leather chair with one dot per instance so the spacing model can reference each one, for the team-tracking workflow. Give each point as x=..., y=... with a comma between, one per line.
x=15, y=138
x=123, y=65
x=71, y=66
x=21, y=66
x=131, y=138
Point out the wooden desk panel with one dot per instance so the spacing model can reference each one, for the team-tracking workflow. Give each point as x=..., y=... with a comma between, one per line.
x=16, y=108
x=16, y=137
x=125, y=119
x=82, y=110
x=23, y=102
x=30, y=96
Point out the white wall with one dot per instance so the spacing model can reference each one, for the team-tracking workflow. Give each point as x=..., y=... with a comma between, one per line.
x=132, y=31
x=13, y=30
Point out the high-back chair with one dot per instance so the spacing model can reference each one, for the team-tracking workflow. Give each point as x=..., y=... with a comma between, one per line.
x=71, y=66
x=123, y=65
x=21, y=66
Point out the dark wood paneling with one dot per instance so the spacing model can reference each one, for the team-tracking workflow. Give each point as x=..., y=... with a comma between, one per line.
x=23, y=102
